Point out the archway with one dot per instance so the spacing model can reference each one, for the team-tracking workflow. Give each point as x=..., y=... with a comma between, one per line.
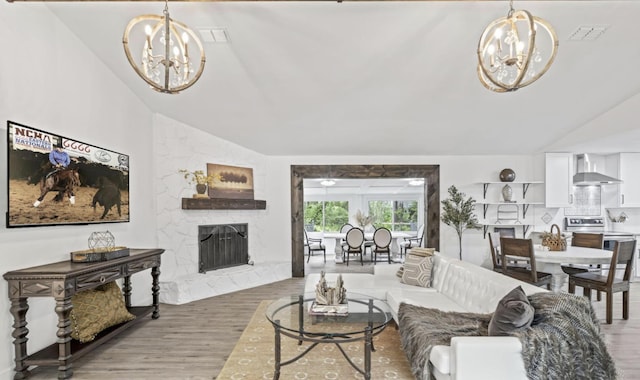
x=431, y=174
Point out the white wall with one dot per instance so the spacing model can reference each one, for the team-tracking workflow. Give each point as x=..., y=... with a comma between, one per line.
x=49, y=80
x=179, y=146
x=466, y=172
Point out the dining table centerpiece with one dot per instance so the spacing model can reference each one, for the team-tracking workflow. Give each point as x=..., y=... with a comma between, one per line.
x=363, y=220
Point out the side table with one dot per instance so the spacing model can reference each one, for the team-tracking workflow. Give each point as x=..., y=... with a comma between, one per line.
x=61, y=281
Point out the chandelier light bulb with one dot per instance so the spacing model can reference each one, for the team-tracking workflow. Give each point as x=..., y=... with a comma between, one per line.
x=176, y=65
x=507, y=60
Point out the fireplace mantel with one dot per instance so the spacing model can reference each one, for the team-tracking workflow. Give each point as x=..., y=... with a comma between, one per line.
x=222, y=204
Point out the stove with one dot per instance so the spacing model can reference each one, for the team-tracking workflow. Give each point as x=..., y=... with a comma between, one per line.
x=595, y=225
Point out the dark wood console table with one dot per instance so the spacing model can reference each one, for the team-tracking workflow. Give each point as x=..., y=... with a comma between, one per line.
x=62, y=280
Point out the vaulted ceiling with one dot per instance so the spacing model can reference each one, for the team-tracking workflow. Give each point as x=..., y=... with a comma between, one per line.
x=385, y=77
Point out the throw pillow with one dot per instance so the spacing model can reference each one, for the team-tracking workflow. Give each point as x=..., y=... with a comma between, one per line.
x=97, y=309
x=514, y=313
x=417, y=270
x=419, y=251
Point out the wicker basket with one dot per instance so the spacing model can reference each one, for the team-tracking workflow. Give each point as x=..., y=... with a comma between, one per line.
x=555, y=241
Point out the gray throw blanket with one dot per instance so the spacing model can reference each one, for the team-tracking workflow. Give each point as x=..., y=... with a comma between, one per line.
x=563, y=342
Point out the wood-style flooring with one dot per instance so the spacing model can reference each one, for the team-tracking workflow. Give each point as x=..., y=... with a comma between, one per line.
x=193, y=341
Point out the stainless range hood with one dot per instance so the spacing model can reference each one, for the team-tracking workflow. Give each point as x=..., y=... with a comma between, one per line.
x=586, y=172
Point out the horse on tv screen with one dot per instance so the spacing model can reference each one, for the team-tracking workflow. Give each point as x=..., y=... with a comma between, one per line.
x=55, y=180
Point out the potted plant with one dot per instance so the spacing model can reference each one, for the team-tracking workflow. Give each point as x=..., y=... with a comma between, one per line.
x=458, y=212
x=199, y=178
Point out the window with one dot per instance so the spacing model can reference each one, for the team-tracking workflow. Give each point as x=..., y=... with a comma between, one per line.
x=327, y=216
x=395, y=215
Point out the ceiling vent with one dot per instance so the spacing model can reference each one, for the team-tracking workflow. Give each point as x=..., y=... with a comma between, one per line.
x=588, y=32
x=214, y=35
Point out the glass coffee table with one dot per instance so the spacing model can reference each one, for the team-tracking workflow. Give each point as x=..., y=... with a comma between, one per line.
x=291, y=317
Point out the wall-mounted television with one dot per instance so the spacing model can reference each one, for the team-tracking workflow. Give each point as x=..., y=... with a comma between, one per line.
x=58, y=180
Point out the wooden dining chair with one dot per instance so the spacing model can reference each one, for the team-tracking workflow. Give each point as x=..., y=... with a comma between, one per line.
x=354, y=239
x=623, y=254
x=494, y=245
x=382, y=244
x=314, y=244
x=522, y=249
x=496, y=258
x=586, y=240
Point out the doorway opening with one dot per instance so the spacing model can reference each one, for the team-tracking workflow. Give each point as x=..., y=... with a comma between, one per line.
x=431, y=174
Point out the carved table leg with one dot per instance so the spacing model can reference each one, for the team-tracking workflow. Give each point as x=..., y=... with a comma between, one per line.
x=63, y=309
x=155, y=291
x=126, y=289
x=19, y=307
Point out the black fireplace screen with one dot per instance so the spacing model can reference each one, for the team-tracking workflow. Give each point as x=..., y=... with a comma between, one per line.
x=223, y=246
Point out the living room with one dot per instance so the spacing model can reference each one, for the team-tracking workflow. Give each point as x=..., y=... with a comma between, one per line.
x=54, y=81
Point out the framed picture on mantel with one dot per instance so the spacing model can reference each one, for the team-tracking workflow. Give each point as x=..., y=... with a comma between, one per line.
x=230, y=182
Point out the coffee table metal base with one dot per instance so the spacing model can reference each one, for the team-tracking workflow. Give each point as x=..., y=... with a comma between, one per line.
x=301, y=333
x=368, y=348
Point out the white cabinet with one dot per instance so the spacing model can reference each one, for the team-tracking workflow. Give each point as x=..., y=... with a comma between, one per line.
x=558, y=180
x=629, y=190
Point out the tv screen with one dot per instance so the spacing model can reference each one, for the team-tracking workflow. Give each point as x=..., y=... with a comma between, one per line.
x=57, y=180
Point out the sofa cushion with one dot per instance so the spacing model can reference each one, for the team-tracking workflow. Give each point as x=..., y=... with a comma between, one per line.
x=425, y=297
x=97, y=309
x=514, y=313
x=417, y=270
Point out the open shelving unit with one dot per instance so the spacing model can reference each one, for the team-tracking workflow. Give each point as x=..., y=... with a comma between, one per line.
x=509, y=220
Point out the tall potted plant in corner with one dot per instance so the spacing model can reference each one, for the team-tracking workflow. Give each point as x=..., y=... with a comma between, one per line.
x=458, y=212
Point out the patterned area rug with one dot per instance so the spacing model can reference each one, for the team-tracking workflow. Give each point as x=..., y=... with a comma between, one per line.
x=253, y=356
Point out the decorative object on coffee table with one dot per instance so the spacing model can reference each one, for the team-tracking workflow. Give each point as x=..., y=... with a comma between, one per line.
x=507, y=175
x=326, y=295
x=102, y=247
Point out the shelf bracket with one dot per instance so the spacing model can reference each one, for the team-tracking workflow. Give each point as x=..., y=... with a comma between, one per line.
x=485, y=207
x=525, y=208
x=485, y=187
x=525, y=188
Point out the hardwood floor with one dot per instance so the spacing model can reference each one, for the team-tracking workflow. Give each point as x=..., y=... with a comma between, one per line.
x=193, y=341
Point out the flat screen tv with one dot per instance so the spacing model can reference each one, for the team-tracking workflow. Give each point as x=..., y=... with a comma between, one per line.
x=88, y=184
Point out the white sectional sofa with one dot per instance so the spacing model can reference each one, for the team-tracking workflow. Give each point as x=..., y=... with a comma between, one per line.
x=455, y=286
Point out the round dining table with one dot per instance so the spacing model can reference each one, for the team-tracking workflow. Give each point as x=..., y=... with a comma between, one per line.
x=552, y=261
x=395, y=245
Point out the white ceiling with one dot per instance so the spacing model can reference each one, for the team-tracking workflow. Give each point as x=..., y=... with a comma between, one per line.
x=384, y=78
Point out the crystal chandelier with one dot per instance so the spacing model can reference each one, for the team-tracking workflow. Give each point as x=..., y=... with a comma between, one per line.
x=167, y=66
x=515, y=51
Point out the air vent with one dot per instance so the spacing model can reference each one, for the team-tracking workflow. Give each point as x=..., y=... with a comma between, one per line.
x=588, y=32
x=214, y=35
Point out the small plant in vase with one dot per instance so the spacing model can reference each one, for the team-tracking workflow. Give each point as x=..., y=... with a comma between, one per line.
x=201, y=181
